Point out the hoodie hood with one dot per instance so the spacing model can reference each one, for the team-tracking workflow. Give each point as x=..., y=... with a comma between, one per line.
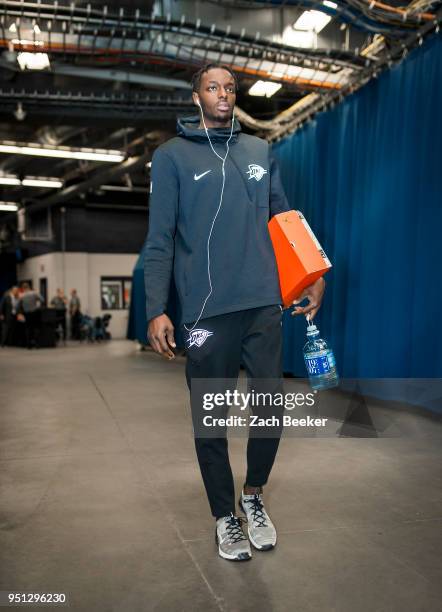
x=187, y=127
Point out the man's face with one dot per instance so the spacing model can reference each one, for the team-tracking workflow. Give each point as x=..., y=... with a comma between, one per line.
x=216, y=95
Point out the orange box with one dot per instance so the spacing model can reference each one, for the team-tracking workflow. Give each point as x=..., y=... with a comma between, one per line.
x=299, y=256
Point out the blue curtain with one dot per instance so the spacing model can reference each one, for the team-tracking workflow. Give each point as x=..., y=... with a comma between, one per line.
x=137, y=324
x=367, y=175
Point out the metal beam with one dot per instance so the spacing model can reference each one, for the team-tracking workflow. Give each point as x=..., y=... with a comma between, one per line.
x=98, y=179
x=124, y=76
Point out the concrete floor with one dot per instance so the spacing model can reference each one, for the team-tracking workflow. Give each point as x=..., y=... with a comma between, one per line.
x=102, y=499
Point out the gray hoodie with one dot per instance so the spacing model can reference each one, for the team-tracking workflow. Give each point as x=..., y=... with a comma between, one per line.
x=186, y=184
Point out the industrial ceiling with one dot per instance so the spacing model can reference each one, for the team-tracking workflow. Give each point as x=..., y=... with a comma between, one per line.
x=88, y=90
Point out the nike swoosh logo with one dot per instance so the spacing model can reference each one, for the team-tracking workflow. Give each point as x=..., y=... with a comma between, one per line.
x=197, y=178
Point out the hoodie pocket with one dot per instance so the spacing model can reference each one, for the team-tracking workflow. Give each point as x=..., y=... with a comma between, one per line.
x=192, y=277
x=261, y=204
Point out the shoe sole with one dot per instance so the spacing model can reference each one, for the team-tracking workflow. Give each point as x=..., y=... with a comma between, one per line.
x=240, y=557
x=254, y=544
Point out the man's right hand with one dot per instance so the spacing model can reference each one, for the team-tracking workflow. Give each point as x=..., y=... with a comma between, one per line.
x=160, y=336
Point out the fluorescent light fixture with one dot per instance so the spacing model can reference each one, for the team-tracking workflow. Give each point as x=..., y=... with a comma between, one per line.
x=297, y=38
x=31, y=181
x=8, y=206
x=332, y=5
x=33, y=61
x=312, y=21
x=264, y=88
x=41, y=182
x=9, y=180
x=65, y=153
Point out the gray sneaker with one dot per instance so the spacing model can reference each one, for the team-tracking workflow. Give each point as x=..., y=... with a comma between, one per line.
x=232, y=543
x=261, y=530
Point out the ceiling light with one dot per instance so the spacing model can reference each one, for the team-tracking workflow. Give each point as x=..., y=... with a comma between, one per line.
x=31, y=181
x=41, y=182
x=312, y=21
x=297, y=38
x=13, y=28
x=8, y=206
x=65, y=153
x=9, y=180
x=33, y=61
x=332, y=5
x=264, y=88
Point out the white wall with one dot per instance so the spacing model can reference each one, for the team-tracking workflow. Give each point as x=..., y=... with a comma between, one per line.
x=109, y=265
x=81, y=271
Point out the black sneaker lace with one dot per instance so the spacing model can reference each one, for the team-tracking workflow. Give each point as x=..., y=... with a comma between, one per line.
x=234, y=530
x=257, y=508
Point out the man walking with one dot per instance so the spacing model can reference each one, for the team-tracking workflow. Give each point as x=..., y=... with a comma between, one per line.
x=29, y=306
x=213, y=191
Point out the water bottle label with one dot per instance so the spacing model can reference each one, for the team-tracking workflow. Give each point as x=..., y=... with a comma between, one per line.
x=318, y=365
x=331, y=359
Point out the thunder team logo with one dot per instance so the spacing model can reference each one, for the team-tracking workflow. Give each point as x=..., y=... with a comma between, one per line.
x=256, y=172
x=198, y=337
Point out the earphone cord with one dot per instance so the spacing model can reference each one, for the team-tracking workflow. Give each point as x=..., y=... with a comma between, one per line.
x=214, y=218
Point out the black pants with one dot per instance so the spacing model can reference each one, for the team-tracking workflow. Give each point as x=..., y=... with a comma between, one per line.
x=32, y=322
x=252, y=338
x=61, y=321
x=75, y=326
x=7, y=330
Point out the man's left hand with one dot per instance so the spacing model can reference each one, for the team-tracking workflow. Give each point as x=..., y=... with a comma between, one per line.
x=314, y=293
